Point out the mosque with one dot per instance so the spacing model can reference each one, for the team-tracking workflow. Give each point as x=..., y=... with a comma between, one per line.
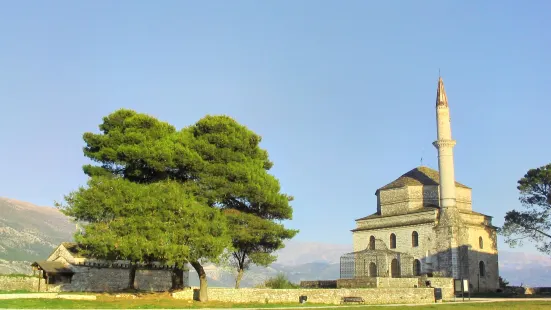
x=425, y=224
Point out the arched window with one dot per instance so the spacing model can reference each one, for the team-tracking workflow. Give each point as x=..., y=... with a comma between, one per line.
x=480, y=243
x=392, y=241
x=416, y=267
x=372, y=243
x=482, y=269
x=372, y=270
x=414, y=239
x=394, y=269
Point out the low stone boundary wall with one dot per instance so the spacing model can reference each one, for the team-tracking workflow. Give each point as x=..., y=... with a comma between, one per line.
x=90, y=279
x=30, y=284
x=16, y=283
x=446, y=284
x=397, y=282
x=321, y=296
x=319, y=284
x=380, y=282
x=367, y=282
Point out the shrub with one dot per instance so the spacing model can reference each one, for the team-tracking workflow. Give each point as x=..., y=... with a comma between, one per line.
x=503, y=283
x=279, y=282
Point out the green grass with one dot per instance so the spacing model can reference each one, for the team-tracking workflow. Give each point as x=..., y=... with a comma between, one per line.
x=16, y=292
x=172, y=303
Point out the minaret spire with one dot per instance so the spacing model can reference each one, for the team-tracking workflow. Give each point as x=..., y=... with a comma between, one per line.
x=444, y=144
x=441, y=98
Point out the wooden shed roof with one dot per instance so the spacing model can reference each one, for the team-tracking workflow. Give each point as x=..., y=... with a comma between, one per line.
x=52, y=267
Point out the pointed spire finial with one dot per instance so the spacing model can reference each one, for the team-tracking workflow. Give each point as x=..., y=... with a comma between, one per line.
x=441, y=98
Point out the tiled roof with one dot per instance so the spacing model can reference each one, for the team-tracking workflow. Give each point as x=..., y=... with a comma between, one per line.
x=377, y=215
x=73, y=248
x=52, y=267
x=421, y=175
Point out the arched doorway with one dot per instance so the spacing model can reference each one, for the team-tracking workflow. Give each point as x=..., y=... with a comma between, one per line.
x=395, y=268
x=372, y=269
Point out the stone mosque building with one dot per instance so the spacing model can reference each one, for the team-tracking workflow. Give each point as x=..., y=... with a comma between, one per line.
x=425, y=224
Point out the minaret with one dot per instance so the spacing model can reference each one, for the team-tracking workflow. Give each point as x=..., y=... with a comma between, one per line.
x=444, y=144
x=449, y=226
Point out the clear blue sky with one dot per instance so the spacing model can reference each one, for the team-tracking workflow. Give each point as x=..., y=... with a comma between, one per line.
x=342, y=92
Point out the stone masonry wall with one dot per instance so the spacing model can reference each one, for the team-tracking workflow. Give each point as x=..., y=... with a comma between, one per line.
x=446, y=284
x=116, y=279
x=364, y=282
x=10, y=283
x=488, y=255
x=422, y=252
x=422, y=196
x=322, y=296
x=406, y=199
x=393, y=201
x=31, y=284
x=397, y=282
x=154, y=280
x=427, y=216
x=90, y=279
x=98, y=279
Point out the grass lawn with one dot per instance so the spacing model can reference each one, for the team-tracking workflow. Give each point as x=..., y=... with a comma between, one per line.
x=16, y=292
x=111, y=302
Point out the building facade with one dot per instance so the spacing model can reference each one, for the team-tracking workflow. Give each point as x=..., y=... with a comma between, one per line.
x=425, y=224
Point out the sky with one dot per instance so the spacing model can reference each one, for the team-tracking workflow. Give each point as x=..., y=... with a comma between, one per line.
x=342, y=92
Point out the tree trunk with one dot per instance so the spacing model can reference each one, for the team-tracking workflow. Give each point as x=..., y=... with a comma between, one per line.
x=203, y=296
x=132, y=276
x=240, y=273
x=177, y=278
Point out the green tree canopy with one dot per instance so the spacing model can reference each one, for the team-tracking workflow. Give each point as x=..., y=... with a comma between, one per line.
x=142, y=223
x=218, y=159
x=139, y=148
x=234, y=176
x=534, y=223
x=254, y=240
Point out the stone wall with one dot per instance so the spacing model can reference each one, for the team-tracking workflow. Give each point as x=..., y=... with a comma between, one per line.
x=317, y=296
x=423, y=252
x=319, y=284
x=93, y=279
x=364, y=282
x=487, y=254
x=406, y=199
x=11, y=283
x=446, y=284
x=397, y=282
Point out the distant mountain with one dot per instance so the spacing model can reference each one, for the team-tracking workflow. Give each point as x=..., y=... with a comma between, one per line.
x=29, y=232
x=525, y=268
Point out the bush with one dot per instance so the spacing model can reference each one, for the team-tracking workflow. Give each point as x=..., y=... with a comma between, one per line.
x=503, y=283
x=279, y=282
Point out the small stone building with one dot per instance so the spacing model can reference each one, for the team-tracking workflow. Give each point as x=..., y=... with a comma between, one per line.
x=66, y=269
x=424, y=224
